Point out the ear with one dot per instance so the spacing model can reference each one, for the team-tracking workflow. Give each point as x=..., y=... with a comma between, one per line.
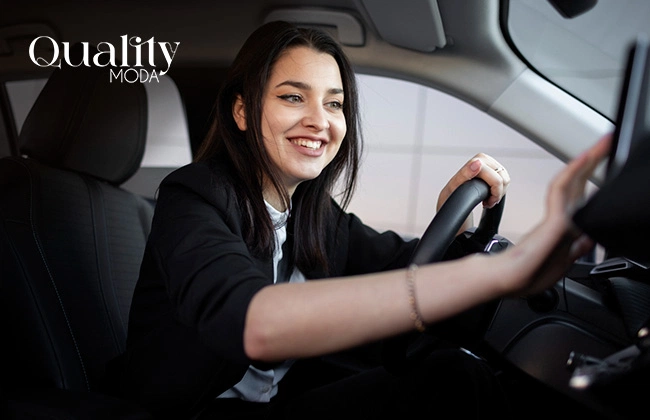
x=239, y=113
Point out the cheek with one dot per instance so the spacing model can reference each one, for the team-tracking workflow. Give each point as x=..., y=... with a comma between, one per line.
x=272, y=124
x=339, y=132
x=340, y=129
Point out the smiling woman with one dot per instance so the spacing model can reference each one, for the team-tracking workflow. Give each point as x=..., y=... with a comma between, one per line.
x=254, y=279
x=256, y=209
x=260, y=281
x=302, y=118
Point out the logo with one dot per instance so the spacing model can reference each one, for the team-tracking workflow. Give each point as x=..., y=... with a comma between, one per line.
x=137, y=57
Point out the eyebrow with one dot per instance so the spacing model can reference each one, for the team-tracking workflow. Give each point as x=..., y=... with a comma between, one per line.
x=305, y=86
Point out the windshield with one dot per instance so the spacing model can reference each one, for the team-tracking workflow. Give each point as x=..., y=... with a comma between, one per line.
x=585, y=54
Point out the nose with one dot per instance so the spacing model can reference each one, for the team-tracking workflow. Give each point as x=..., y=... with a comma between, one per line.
x=316, y=117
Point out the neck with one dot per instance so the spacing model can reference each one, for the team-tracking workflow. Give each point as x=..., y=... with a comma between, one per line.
x=275, y=199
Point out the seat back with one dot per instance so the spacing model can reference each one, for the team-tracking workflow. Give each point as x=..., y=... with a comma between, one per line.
x=71, y=240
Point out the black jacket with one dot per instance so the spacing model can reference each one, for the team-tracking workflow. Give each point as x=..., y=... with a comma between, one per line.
x=185, y=338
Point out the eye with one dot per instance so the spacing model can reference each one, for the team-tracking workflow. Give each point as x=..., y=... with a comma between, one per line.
x=336, y=105
x=293, y=98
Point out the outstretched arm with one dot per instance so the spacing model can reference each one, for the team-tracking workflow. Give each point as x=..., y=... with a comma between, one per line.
x=317, y=317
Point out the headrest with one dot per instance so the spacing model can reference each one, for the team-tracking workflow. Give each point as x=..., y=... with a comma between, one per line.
x=83, y=121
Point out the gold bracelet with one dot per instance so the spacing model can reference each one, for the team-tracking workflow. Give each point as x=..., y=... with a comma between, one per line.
x=415, y=312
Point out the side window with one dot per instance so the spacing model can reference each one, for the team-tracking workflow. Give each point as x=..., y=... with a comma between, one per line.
x=416, y=139
x=168, y=142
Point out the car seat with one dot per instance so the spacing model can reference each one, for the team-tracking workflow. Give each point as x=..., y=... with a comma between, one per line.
x=71, y=243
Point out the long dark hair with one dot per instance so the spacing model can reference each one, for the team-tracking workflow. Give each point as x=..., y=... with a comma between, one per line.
x=311, y=207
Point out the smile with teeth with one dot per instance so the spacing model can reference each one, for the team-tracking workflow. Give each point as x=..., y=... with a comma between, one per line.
x=310, y=144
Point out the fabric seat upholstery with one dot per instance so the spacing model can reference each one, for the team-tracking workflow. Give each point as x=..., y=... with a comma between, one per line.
x=71, y=240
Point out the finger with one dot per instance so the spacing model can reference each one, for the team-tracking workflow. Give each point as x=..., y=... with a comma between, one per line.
x=489, y=170
x=474, y=167
x=498, y=180
x=503, y=173
x=486, y=161
x=489, y=160
x=467, y=172
x=493, y=163
x=499, y=169
x=568, y=185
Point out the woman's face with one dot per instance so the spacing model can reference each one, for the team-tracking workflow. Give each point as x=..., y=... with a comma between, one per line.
x=302, y=116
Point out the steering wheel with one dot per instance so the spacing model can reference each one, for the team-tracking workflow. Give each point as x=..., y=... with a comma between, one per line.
x=442, y=230
x=433, y=244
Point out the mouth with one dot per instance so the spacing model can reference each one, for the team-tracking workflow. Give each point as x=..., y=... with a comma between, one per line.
x=309, y=144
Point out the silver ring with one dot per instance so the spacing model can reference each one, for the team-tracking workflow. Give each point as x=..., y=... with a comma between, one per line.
x=499, y=169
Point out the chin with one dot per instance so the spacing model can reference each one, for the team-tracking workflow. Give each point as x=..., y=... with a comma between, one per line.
x=307, y=176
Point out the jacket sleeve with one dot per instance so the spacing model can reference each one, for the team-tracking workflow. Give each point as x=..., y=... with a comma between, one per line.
x=196, y=252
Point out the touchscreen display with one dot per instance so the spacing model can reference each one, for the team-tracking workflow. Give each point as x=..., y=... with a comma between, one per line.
x=633, y=121
x=616, y=216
